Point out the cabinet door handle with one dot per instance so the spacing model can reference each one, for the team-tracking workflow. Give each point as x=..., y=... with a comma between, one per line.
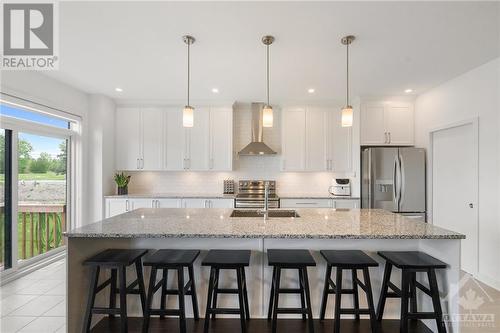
x=210, y=204
x=126, y=206
x=138, y=165
x=142, y=163
x=390, y=139
x=307, y=203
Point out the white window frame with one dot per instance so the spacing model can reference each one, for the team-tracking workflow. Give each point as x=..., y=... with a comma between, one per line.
x=74, y=177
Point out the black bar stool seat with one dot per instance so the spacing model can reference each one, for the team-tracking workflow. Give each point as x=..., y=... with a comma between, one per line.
x=290, y=259
x=117, y=260
x=411, y=262
x=352, y=260
x=177, y=260
x=227, y=259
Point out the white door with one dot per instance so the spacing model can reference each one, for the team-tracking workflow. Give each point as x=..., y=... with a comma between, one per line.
x=198, y=141
x=195, y=203
x=293, y=140
x=339, y=145
x=152, y=139
x=221, y=139
x=399, y=124
x=454, y=186
x=372, y=124
x=128, y=138
x=316, y=159
x=174, y=142
x=221, y=203
x=116, y=207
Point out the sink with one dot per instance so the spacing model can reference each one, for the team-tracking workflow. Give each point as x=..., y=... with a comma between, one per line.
x=258, y=213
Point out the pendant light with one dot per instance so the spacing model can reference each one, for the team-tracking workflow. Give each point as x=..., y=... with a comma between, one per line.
x=267, y=112
x=347, y=113
x=188, y=112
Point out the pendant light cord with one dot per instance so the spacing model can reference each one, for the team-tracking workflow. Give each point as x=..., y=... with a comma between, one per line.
x=188, y=72
x=347, y=74
x=267, y=74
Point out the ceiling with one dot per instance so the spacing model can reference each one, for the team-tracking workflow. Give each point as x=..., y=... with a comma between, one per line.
x=137, y=46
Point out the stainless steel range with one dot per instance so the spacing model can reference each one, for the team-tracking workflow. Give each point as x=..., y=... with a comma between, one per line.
x=251, y=194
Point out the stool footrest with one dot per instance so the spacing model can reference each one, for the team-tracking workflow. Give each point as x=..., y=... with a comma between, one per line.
x=422, y=315
x=225, y=290
x=166, y=312
x=354, y=311
x=291, y=310
x=289, y=291
x=100, y=310
x=103, y=285
x=224, y=311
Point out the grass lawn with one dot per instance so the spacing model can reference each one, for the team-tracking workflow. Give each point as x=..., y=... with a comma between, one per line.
x=38, y=176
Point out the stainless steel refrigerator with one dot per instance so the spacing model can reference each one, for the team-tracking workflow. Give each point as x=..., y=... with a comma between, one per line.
x=393, y=178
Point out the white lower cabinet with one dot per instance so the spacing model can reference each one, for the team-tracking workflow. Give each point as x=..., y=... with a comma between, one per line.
x=116, y=207
x=319, y=203
x=305, y=203
x=168, y=203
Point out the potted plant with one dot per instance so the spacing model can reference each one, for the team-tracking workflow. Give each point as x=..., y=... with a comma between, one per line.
x=122, y=181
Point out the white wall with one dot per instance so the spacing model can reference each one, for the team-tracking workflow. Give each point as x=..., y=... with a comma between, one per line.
x=101, y=146
x=97, y=139
x=248, y=167
x=473, y=94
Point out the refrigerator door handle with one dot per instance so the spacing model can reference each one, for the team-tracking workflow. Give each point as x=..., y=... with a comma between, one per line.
x=402, y=184
x=395, y=183
x=370, y=203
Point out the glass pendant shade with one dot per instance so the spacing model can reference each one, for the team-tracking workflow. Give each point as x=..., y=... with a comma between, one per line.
x=267, y=116
x=188, y=116
x=347, y=115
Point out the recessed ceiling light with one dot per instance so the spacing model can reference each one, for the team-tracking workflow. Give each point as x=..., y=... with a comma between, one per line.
x=310, y=90
x=118, y=89
x=408, y=91
x=215, y=90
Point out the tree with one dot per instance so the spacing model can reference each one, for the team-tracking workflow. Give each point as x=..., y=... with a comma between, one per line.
x=41, y=164
x=24, y=149
x=58, y=164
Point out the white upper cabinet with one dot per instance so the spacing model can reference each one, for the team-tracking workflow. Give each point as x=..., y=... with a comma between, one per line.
x=174, y=143
x=339, y=143
x=197, y=138
x=138, y=139
x=293, y=139
x=128, y=139
x=154, y=139
x=316, y=139
x=386, y=124
x=221, y=139
x=313, y=140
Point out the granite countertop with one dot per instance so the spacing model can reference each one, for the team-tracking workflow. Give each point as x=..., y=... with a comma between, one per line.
x=174, y=195
x=215, y=223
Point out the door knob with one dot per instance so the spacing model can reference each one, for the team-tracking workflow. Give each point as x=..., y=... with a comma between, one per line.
x=471, y=205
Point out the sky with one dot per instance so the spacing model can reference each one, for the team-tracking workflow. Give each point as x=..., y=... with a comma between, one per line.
x=39, y=143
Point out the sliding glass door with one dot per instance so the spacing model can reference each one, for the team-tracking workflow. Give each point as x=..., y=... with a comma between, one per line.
x=35, y=184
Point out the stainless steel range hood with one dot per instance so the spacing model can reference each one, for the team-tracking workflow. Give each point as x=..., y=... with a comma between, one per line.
x=257, y=146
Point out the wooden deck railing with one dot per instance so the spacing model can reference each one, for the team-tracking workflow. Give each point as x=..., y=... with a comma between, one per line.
x=40, y=228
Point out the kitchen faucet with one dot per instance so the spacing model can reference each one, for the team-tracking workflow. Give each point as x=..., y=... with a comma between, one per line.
x=265, y=211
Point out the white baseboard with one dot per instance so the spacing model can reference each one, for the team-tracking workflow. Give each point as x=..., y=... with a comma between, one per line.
x=7, y=277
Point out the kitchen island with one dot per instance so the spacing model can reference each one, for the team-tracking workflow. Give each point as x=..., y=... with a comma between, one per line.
x=314, y=229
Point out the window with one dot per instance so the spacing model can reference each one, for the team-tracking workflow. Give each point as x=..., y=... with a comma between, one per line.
x=36, y=154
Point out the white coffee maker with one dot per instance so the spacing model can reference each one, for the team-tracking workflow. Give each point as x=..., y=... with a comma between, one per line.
x=340, y=187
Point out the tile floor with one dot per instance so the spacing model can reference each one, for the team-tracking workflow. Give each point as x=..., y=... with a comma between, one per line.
x=36, y=302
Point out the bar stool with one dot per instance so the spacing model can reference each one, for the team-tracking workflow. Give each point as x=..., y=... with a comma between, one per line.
x=352, y=260
x=117, y=261
x=411, y=262
x=227, y=259
x=290, y=259
x=174, y=260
